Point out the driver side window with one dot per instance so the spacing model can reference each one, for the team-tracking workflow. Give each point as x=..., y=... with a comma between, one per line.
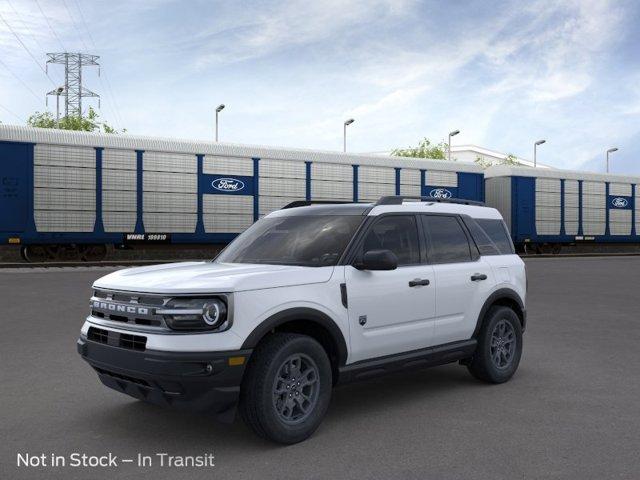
x=397, y=233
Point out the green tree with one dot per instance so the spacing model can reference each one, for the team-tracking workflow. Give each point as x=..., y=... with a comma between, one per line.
x=510, y=159
x=425, y=149
x=89, y=123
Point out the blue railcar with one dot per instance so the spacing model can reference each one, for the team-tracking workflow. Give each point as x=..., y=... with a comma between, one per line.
x=548, y=208
x=84, y=190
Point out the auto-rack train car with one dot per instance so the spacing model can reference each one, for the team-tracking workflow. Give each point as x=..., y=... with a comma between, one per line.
x=548, y=208
x=65, y=192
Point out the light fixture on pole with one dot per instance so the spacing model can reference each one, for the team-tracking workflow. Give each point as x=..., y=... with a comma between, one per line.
x=451, y=134
x=344, y=134
x=219, y=108
x=535, y=152
x=611, y=150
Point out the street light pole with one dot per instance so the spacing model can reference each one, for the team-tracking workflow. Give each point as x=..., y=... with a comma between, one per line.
x=451, y=134
x=219, y=108
x=344, y=133
x=535, y=152
x=611, y=150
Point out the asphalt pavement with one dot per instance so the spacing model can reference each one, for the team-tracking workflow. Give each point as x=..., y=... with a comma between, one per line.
x=571, y=411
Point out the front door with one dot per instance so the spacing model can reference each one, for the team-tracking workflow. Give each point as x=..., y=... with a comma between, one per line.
x=391, y=311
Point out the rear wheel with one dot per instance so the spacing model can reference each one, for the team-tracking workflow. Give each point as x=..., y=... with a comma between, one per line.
x=286, y=390
x=499, y=346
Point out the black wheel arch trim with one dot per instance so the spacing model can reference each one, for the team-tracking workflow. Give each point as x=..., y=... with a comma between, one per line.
x=501, y=294
x=300, y=314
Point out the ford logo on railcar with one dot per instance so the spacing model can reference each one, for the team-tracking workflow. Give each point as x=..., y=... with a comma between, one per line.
x=440, y=193
x=619, y=202
x=228, y=184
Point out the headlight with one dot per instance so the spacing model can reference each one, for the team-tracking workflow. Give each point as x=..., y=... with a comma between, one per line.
x=196, y=314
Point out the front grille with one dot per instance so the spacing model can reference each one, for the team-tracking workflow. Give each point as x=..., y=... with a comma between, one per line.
x=128, y=308
x=133, y=342
x=116, y=339
x=98, y=335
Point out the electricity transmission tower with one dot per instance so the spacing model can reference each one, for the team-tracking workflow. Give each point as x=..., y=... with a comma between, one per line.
x=73, y=91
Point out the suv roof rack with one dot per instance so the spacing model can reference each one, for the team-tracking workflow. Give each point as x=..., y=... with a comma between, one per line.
x=307, y=203
x=398, y=199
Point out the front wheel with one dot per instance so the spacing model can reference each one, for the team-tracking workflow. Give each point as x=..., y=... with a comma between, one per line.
x=286, y=390
x=499, y=346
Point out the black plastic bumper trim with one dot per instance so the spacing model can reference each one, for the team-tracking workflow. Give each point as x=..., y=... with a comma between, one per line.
x=196, y=381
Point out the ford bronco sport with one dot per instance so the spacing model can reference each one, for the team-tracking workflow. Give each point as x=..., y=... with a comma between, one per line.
x=309, y=297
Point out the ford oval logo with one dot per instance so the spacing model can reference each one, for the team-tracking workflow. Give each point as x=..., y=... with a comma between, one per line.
x=620, y=202
x=440, y=193
x=228, y=184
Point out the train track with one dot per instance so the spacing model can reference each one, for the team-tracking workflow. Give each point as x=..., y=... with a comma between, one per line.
x=134, y=263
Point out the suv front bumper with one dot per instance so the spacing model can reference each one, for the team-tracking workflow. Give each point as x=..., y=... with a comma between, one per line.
x=197, y=381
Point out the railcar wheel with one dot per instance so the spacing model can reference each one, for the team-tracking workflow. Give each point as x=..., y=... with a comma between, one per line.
x=34, y=253
x=93, y=253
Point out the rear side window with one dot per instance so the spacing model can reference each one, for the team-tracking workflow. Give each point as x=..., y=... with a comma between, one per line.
x=446, y=240
x=497, y=231
x=485, y=245
x=397, y=233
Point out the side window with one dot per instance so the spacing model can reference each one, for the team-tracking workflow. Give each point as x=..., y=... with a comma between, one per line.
x=397, y=233
x=484, y=243
x=446, y=240
x=498, y=233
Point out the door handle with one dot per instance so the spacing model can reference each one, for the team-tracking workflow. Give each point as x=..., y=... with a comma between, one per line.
x=478, y=276
x=418, y=282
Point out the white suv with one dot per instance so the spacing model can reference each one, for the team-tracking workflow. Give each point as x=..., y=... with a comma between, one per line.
x=309, y=297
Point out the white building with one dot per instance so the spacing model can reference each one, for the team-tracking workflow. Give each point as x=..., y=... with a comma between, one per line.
x=469, y=154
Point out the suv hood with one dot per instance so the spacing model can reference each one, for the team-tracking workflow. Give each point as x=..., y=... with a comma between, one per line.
x=208, y=277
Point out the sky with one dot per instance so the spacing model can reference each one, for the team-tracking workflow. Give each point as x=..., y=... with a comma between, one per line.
x=505, y=73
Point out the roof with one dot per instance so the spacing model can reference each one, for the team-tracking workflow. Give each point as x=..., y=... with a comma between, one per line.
x=510, y=171
x=473, y=211
x=17, y=133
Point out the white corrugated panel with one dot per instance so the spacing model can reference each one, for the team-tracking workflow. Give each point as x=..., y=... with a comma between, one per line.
x=119, y=201
x=215, y=165
x=169, y=182
x=269, y=204
x=332, y=171
x=270, y=168
x=435, y=178
x=64, y=220
x=548, y=227
x=571, y=186
x=413, y=190
x=283, y=187
x=410, y=176
x=64, y=177
x=170, y=202
x=64, y=199
x=331, y=190
x=571, y=228
x=378, y=175
x=169, y=223
x=169, y=162
x=119, y=159
x=123, y=222
x=236, y=204
x=594, y=188
x=620, y=221
x=64, y=156
x=547, y=199
x=119, y=180
x=620, y=189
x=548, y=185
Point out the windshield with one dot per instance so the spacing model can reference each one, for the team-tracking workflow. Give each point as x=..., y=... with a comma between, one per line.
x=311, y=241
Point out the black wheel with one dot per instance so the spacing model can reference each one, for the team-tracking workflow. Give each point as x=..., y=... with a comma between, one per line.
x=556, y=248
x=287, y=387
x=92, y=253
x=35, y=253
x=499, y=346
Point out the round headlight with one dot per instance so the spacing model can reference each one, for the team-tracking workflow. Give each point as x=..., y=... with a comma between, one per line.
x=214, y=313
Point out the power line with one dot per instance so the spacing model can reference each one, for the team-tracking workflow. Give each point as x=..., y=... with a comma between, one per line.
x=73, y=22
x=12, y=113
x=27, y=49
x=112, y=99
x=20, y=80
x=50, y=27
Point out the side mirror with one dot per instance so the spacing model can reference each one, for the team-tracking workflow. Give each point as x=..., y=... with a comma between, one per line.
x=378, y=260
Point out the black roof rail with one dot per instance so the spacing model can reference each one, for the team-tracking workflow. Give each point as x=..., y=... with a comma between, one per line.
x=398, y=199
x=308, y=203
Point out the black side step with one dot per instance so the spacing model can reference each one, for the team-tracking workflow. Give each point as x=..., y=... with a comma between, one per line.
x=426, y=357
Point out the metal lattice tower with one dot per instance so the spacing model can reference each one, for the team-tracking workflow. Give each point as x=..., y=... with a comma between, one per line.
x=73, y=91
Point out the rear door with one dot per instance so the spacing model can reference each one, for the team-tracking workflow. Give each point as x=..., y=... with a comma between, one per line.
x=391, y=311
x=463, y=278
x=13, y=186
